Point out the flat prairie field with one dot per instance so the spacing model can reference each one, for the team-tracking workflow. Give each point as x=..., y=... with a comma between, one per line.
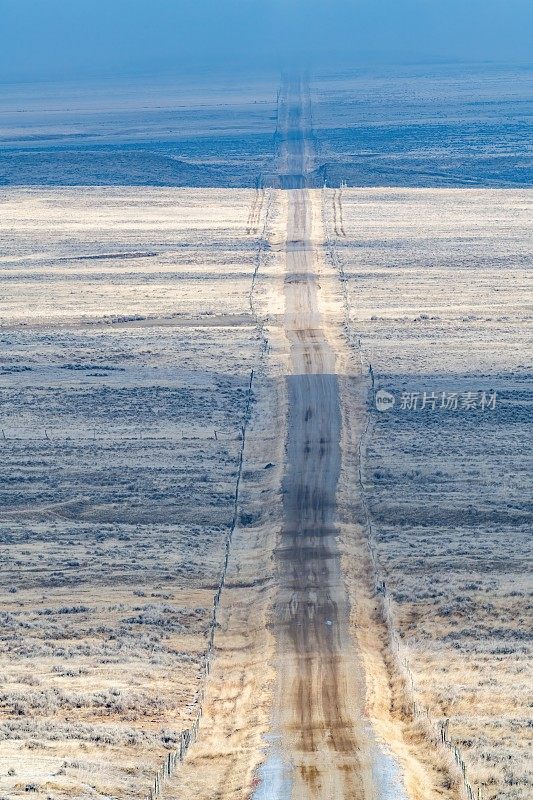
x=143, y=382
x=128, y=342
x=438, y=292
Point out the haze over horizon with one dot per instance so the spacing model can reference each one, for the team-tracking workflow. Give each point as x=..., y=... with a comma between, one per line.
x=49, y=39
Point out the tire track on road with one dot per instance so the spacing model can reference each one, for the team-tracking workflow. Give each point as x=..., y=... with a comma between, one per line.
x=322, y=740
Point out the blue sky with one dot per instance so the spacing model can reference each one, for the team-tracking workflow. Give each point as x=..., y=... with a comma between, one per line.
x=41, y=39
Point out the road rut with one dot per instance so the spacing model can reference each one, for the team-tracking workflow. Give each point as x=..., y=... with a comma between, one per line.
x=320, y=734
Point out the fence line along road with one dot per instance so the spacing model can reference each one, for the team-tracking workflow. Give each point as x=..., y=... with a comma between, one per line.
x=382, y=593
x=190, y=735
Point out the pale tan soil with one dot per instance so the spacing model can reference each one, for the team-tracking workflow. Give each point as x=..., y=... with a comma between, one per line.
x=319, y=690
x=239, y=689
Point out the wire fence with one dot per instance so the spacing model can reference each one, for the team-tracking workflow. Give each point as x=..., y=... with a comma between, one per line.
x=101, y=438
x=187, y=737
x=190, y=735
x=385, y=600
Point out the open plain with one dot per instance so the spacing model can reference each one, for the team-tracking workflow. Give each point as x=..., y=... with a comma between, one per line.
x=437, y=285
x=204, y=515
x=122, y=427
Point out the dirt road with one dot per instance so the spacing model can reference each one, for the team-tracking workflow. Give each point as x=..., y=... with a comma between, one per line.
x=320, y=734
x=287, y=676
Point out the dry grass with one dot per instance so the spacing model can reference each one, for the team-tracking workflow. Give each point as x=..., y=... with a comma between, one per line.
x=436, y=283
x=116, y=492
x=117, y=496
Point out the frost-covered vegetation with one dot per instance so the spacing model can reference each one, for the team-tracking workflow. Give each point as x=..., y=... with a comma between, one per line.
x=437, y=289
x=124, y=378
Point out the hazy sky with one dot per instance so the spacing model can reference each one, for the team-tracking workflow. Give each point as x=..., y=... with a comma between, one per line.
x=71, y=38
